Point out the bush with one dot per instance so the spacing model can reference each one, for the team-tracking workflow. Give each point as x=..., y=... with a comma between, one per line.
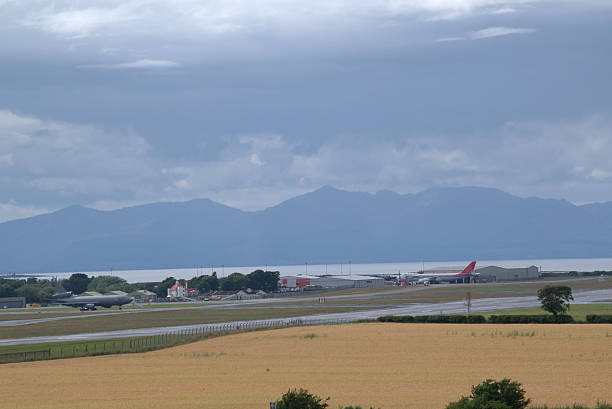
x=492, y=394
x=531, y=319
x=599, y=319
x=440, y=319
x=393, y=318
x=600, y=405
x=467, y=403
x=300, y=399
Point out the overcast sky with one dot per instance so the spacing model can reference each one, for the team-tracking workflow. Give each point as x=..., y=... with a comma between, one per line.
x=249, y=102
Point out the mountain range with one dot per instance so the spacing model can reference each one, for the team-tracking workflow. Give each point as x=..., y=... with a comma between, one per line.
x=325, y=226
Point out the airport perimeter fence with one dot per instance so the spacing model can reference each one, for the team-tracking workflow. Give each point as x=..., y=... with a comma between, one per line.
x=160, y=338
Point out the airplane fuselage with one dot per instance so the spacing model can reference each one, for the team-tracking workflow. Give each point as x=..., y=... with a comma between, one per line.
x=427, y=279
x=90, y=302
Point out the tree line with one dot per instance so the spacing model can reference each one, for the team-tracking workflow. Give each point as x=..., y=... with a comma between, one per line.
x=33, y=289
x=257, y=280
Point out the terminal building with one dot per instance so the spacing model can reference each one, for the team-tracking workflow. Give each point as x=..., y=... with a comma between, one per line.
x=329, y=281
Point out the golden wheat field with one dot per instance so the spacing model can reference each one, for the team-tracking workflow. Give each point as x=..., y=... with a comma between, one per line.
x=391, y=366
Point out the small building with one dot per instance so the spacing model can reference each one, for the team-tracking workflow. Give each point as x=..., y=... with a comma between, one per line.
x=330, y=281
x=496, y=273
x=352, y=281
x=296, y=281
x=12, y=302
x=245, y=295
x=192, y=292
x=144, y=296
x=177, y=290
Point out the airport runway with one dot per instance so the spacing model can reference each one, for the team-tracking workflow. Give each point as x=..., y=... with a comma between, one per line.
x=456, y=307
x=284, y=301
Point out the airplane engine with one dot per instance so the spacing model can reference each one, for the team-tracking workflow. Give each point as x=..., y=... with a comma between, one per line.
x=90, y=307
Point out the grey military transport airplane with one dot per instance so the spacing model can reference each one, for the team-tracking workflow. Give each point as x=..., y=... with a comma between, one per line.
x=90, y=302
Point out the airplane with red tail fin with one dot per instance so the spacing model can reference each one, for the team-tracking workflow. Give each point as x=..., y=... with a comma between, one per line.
x=435, y=278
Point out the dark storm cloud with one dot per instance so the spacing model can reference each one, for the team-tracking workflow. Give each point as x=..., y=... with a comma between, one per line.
x=111, y=103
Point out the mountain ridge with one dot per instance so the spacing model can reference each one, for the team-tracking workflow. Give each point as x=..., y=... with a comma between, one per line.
x=326, y=225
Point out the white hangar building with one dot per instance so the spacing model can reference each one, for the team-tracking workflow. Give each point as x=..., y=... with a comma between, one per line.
x=330, y=281
x=495, y=273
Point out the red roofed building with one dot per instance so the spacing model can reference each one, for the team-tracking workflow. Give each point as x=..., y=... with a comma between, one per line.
x=192, y=292
x=177, y=290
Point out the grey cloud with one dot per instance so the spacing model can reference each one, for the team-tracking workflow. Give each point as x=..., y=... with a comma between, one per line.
x=77, y=23
x=499, y=31
x=69, y=158
x=489, y=33
x=12, y=210
x=523, y=158
x=555, y=159
x=139, y=64
x=144, y=27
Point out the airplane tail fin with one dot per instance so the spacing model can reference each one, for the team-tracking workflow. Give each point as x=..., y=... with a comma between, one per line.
x=469, y=269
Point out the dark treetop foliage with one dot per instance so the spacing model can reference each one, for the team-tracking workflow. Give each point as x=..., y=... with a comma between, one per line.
x=161, y=289
x=257, y=280
x=555, y=299
x=33, y=289
x=104, y=284
x=300, y=399
x=204, y=283
x=77, y=283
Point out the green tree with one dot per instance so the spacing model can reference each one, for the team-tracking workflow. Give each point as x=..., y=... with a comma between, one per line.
x=234, y=282
x=161, y=289
x=263, y=280
x=6, y=289
x=491, y=394
x=212, y=282
x=204, y=283
x=35, y=290
x=77, y=283
x=301, y=399
x=555, y=299
x=103, y=284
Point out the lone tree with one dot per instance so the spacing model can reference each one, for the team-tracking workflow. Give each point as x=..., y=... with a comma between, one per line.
x=77, y=283
x=301, y=399
x=492, y=394
x=555, y=299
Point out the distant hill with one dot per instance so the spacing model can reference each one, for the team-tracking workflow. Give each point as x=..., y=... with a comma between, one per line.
x=324, y=226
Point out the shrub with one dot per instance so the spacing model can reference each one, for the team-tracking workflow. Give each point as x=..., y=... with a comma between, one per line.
x=300, y=399
x=393, y=318
x=492, y=394
x=531, y=319
x=439, y=318
x=467, y=403
x=600, y=405
x=599, y=319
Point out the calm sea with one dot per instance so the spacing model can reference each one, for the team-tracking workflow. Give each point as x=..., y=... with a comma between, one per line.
x=133, y=276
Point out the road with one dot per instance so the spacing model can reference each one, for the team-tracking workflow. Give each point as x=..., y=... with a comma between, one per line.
x=455, y=307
